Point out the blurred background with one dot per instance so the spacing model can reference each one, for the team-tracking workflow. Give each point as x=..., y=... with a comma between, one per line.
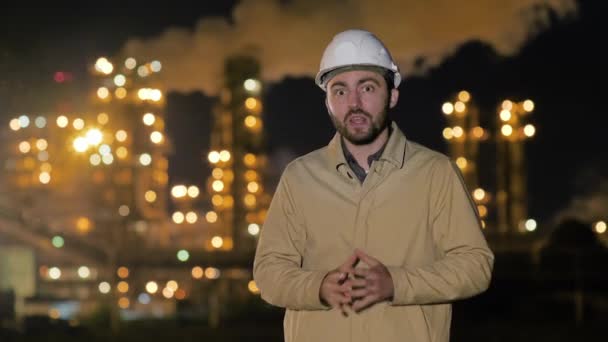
x=140, y=147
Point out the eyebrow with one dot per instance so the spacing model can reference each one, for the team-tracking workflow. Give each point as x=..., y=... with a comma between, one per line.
x=361, y=81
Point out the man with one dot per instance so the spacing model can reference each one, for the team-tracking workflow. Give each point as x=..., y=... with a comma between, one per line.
x=371, y=237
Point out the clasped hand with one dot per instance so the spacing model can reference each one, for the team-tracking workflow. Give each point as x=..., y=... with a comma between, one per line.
x=356, y=287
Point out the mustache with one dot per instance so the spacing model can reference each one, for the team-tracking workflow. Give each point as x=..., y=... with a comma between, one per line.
x=357, y=111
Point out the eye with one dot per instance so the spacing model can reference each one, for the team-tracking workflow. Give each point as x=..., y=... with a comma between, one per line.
x=339, y=92
x=368, y=88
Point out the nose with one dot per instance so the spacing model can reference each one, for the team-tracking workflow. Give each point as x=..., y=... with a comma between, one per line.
x=354, y=100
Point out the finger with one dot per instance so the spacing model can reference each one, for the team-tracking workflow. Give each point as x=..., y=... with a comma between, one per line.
x=349, y=263
x=360, y=293
x=366, y=258
x=356, y=282
x=362, y=273
x=362, y=303
x=335, y=277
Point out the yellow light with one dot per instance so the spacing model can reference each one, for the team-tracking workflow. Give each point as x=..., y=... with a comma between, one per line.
x=121, y=135
x=193, y=191
x=150, y=196
x=478, y=132
x=103, y=118
x=448, y=133
x=156, y=95
x=172, y=285
x=120, y=80
x=104, y=287
x=458, y=131
x=217, y=241
x=214, y=157
x=530, y=225
x=459, y=106
x=40, y=122
x=253, y=229
x=155, y=66
x=179, y=191
x=600, y=227
x=464, y=96
x=249, y=160
x=151, y=287
x=506, y=130
x=83, y=224
x=447, y=108
x=528, y=106
x=80, y=144
x=253, y=187
x=212, y=272
x=191, y=217
x=462, y=162
x=253, y=288
x=120, y=93
x=167, y=293
x=529, y=130
x=122, y=272
x=483, y=210
x=124, y=210
x=217, y=185
x=44, y=177
x=252, y=85
x=95, y=159
x=251, y=103
x=142, y=71
x=217, y=173
x=24, y=147
x=178, y=217
x=149, y=119
x=479, y=194
x=507, y=105
x=54, y=313
x=55, y=273
x=250, y=121
x=62, y=121
x=94, y=137
x=130, y=63
x=84, y=272
x=145, y=159
x=217, y=200
x=249, y=200
x=505, y=115
x=211, y=216
x=251, y=175
x=156, y=137
x=124, y=303
x=197, y=272
x=224, y=155
x=103, y=93
x=14, y=124
x=78, y=124
x=107, y=159
x=122, y=152
x=104, y=66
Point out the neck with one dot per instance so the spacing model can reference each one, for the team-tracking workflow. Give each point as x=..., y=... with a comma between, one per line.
x=361, y=152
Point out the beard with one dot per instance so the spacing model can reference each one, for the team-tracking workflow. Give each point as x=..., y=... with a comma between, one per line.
x=361, y=135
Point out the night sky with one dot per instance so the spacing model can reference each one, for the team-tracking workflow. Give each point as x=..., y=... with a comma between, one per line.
x=561, y=69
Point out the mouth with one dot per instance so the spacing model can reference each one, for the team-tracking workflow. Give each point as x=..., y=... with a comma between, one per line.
x=357, y=120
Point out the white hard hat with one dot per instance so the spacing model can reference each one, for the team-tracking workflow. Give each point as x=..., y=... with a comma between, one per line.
x=354, y=48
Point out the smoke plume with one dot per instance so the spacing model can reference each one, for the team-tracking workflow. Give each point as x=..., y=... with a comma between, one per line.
x=288, y=37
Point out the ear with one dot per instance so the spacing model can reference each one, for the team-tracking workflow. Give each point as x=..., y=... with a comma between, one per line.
x=394, y=97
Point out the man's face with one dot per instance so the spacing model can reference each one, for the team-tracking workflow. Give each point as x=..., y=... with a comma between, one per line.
x=358, y=103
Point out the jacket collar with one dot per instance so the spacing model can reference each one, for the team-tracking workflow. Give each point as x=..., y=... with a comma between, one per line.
x=394, y=151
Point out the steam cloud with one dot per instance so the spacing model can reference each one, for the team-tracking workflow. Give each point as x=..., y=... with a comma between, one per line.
x=288, y=37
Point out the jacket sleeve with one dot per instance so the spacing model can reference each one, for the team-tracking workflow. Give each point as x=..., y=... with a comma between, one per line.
x=277, y=267
x=466, y=265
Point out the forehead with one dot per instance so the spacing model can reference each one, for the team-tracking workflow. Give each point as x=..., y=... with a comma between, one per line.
x=354, y=77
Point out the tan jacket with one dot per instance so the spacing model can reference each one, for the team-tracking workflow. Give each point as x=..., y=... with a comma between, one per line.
x=412, y=213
